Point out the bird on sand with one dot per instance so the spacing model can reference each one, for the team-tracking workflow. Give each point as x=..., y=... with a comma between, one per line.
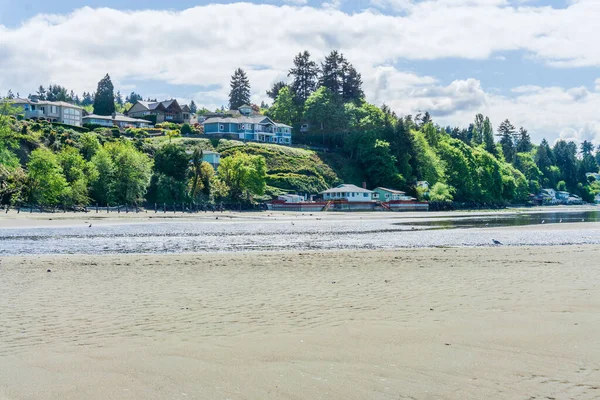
x=496, y=242
x=543, y=221
x=560, y=220
x=90, y=226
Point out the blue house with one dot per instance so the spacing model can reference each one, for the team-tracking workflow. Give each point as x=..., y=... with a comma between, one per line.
x=244, y=124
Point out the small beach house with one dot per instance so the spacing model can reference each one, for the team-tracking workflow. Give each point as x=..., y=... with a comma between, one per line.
x=386, y=195
x=350, y=193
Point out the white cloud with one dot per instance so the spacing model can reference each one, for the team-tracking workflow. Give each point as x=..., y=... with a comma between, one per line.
x=296, y=2
x=203, y=45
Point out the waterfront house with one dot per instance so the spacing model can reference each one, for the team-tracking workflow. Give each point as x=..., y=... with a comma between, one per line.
x=163, y=111
x=386, y=195
x=116, y=119
x=246, y=124
x=350, y=193
x=53, y=111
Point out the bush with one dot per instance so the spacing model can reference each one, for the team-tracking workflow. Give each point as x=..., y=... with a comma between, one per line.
x=185, y=129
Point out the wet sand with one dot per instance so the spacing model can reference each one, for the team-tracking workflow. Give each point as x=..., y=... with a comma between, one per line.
x=456, y=323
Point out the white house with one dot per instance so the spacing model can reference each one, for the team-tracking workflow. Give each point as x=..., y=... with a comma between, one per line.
x=351, y=193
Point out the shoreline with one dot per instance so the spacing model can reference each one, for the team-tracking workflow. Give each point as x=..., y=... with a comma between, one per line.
x=447, y=323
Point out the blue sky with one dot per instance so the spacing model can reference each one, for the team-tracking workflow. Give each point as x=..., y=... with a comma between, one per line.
x=534, y=62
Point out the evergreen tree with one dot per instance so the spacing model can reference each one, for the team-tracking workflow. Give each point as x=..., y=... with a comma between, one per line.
x=41, y=93
x=104, y=101
x=88, y=99
x=331, y=72
x=119, y=98
x=506, y=132
x=305, y=73
x=543, y=156
x=10, y=95
x=478, y=130
x=133, y=98
x=565, y=154
x=240, y=90
x=523, y=144
x=193, y=107
x=488, y=137
x=277, y=86
x=351, y=83
x=426, y=118
x=587, y=148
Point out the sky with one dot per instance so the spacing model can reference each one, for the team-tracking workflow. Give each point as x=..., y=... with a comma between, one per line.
x=534, y=62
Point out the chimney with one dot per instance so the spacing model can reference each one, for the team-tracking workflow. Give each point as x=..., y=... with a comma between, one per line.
x=364, y=185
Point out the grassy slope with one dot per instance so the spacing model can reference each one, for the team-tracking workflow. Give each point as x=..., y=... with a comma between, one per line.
x=288, y=168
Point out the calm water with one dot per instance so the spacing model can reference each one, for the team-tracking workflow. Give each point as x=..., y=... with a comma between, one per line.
x=219, y=236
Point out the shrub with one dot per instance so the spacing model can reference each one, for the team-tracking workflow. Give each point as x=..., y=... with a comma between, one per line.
x=185, y=129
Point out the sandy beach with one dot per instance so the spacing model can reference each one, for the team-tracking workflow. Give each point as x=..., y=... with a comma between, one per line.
x=456, y=323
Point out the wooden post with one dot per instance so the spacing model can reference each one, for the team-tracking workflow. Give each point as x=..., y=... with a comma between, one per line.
x=96, y=208
x=165, y=208
x=155, y=208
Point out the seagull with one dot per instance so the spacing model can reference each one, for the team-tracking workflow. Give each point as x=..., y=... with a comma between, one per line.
x=560, y=220
x=496, y=242
x=293, y=223
x=90, y=226
x=543, y=221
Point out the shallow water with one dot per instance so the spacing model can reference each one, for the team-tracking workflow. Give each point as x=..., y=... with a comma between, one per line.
x=211, y=236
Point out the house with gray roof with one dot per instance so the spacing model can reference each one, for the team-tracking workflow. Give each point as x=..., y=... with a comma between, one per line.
x=351, y=193
x=244, y=124
x=164, y=111
x=53, y=111
x=116, y=119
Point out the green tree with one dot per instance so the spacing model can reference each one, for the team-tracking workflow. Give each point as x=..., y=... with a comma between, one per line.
x=324, y=111
x=331, y=72
x=305, y=77
x=478, y=128
x=275, y=89
x=351, y=83
x=506, y=132
x=240, y=90
x=77, y=173
x=565, y=154
x=523, y=144
x=193, y=107
x=132, y=172
x=185, y=129
x=104, y=103
x=244, y=175
x=441, y=192
x=283, y=109
x=488, y=137
x=200, y=177
x=172, y=160
x=103, y=187
x=89, y=145
x=426, y=164
x=46, y=181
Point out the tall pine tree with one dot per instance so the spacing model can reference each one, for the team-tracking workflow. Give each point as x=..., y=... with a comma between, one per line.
x=488, y=137
x=478, y=130
x=305, y=73
x=193, y=107
x=351, y=83
x=331, y=72
x=506, y=132
x=240, y=90
x=524, y=141
x=277, y=86
x=104, y=101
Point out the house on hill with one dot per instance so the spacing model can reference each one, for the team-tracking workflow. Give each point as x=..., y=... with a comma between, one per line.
x=165, y=111
x=53, y=111
x=116, y=119
x=246, y=124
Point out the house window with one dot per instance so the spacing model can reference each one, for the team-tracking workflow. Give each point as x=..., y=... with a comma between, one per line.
x=366, y=194
x=221, y=127
x=186, y=116
x=53, y=109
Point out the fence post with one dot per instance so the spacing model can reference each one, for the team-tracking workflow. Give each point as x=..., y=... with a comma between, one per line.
x=96, y=208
